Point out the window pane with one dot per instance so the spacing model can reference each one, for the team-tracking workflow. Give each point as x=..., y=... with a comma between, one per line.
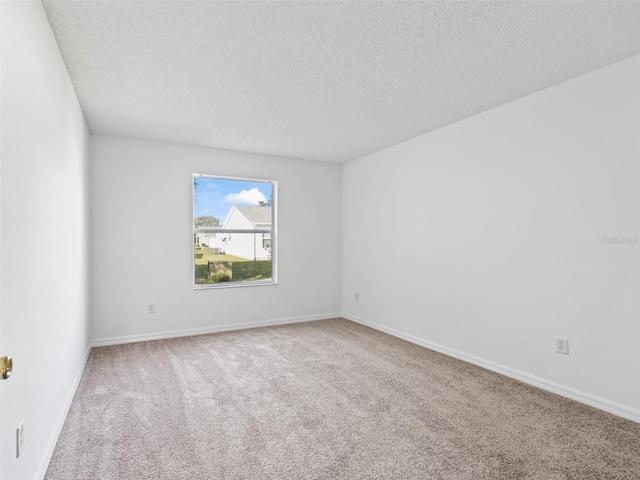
x=233, y=257
x=223, y=210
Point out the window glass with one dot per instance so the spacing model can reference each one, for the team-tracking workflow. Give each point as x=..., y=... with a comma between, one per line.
x=233, y=231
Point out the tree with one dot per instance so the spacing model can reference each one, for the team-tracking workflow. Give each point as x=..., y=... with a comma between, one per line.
x=206, y=221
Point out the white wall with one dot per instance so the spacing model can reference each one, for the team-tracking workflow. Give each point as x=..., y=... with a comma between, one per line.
x=140, y=186
x=44, y=242
x=484, y=238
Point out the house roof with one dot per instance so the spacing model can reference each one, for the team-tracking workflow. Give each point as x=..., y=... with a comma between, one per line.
x=256, y=215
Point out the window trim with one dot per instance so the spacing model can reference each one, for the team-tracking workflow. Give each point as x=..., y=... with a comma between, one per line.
x=273, y=232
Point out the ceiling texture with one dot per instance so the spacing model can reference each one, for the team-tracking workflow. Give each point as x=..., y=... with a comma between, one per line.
x=328, y=81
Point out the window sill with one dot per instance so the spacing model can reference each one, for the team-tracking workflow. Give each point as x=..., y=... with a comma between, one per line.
x=210, y=286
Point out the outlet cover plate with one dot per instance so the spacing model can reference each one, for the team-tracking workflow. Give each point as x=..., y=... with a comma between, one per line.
x=562, y=345
x=19, y=439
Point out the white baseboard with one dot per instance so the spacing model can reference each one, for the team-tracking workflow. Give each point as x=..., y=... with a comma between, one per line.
x=102, y=342
x=62, y=416
x=568, y=392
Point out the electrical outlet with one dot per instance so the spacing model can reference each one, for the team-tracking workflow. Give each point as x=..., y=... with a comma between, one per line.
x=562, y=345
x=19, y=439
x=151, y=308
x=357, y=297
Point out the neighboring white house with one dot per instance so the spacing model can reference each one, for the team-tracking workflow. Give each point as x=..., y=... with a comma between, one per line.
x=213, y=240
x=205, y=239
x=246, y=245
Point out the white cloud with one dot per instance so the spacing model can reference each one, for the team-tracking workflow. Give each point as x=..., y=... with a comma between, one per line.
x=246, y=197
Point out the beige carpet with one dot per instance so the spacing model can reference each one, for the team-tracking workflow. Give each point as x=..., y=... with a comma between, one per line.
x=324, y=400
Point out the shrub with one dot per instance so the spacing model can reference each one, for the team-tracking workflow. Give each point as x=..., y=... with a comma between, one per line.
x=218, y=277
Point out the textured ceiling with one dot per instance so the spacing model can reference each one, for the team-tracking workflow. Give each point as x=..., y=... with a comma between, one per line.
x=322, y=80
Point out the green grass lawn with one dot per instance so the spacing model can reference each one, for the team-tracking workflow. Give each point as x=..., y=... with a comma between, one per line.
x=242, y=268
x=212, y=257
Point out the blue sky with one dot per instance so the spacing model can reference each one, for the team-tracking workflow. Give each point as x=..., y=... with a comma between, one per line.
x=215, y=196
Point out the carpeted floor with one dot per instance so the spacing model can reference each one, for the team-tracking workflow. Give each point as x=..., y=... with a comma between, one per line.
x=324, y=400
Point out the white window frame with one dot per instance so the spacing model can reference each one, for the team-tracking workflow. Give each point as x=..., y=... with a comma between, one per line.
x=272, y=231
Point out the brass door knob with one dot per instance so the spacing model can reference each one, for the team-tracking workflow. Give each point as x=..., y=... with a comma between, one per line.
x=6, y=367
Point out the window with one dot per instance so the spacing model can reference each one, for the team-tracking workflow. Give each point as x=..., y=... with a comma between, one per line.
x=266, y=240
x=234, y=231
